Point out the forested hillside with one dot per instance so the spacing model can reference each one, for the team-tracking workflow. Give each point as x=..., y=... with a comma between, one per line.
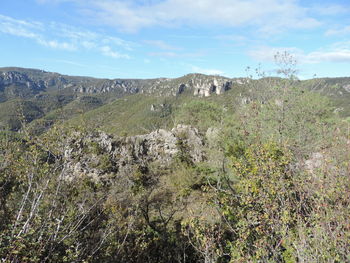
x=195, y=169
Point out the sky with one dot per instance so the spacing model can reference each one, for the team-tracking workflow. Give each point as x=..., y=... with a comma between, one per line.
x=171, y=38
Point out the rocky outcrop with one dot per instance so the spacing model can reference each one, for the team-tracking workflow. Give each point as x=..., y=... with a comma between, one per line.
x=206, y=87
x=121, y=86
x=15, y=84
x=197, y=84
x=98, y=155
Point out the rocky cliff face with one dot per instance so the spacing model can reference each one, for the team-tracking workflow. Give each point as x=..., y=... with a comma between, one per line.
x=99, y=155
x=15, y=84
x=19, y=82
x=196, y=84
x=37, y=81
x=207, y=87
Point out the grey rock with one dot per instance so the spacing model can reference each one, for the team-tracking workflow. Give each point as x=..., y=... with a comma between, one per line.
x=206, y=87
x=82, y=156
x=314, y=162
x=245, y=100
x=347, y=88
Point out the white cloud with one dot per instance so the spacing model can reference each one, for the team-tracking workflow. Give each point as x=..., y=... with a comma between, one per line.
x=107, y=51
x=19, y=28
x=331, y=10
x=119, y=42
x=207, y=71
x=31, y=30
x=336, y=56
x=336, y=53
x=57, y=45
x=268, y=15
x=339, y=31
x=71, y=32
x=64, y=37
x=267, y=53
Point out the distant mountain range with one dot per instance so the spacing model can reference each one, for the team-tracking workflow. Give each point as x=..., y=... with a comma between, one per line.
x=26, y=83
x=30, y=94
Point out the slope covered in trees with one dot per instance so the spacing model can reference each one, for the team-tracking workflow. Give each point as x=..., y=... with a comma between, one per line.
x=261, y=175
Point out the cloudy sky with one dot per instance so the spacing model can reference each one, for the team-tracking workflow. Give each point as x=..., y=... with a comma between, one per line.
x=170, y=38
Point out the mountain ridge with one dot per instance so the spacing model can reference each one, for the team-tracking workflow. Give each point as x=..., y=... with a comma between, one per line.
x=51, y=96
x=39, y=80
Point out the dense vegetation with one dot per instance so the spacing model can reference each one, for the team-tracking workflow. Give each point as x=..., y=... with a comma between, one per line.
x=274, y=187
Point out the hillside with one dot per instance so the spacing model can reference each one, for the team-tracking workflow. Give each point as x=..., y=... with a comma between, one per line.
x=48, y=93
x=30, y=94
x=193, y=169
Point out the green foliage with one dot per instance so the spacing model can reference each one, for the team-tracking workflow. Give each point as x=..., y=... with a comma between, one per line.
x=14, y=113
x=277, y=212
x=290, y=116
x=260, y=207
x=275, y=186
x=201, y=114
x=183, y=155
x=130, y=115
x=207, y=238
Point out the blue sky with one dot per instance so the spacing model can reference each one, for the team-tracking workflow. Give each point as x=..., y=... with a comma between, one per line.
x=170, y=38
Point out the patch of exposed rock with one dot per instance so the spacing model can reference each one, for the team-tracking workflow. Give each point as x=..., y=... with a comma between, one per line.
x=24, y=84
x=206, y=87
x=315, y=162
x=347, y=88
x=97, y=155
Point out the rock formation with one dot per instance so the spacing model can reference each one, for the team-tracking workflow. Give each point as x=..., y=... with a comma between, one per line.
x=206, y=87
x=98, y=154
